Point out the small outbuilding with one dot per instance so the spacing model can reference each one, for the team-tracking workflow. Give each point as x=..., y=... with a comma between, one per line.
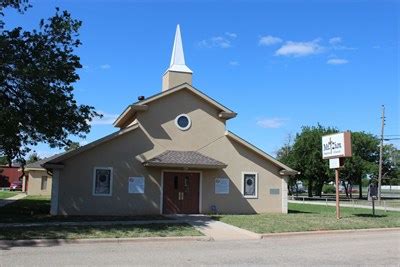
x=37, y=180
x=172, y=154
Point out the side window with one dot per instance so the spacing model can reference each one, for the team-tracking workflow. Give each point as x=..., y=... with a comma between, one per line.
x=43, y=185
x=249, y=184
x=102, y=181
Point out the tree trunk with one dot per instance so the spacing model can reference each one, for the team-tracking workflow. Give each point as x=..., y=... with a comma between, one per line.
x=310, y=187
x=345, y=189
x=360, y=188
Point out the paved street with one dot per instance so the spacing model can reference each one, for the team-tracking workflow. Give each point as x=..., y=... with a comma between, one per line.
x=360, y=248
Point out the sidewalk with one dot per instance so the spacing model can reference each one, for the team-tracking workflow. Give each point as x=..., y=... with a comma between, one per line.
x=216, y=230
x=10, y=200
x=343, y=205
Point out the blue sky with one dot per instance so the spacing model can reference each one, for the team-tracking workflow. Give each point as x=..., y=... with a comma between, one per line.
x=278, y=64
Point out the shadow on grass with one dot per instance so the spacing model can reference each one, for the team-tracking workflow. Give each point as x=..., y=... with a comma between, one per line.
x=363, y=215
x=300, y=211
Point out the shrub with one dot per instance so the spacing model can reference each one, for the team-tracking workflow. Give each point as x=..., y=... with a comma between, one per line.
x=328, y=189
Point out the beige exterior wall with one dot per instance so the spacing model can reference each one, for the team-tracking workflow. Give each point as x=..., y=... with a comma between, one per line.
x=173, y=78
x=157, y=133
x=35, y=183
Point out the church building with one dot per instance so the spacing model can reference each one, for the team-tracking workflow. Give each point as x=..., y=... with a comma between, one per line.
x=172, y=154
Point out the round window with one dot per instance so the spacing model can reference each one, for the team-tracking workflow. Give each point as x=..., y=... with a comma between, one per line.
x=183, y=122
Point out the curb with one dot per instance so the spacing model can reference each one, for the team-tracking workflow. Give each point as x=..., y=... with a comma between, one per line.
x=49, y=242
x=288, y=234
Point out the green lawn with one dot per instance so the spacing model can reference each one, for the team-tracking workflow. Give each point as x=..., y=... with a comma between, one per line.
x=114, y=231
x=7, y=194
x=304, y=217
x=37, y=209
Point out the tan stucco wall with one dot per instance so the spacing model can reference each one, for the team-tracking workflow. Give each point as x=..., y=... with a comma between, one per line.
x=35, y=183
x=240, y=159
x=157, y=133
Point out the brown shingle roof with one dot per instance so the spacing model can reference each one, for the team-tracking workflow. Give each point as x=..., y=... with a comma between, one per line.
x=189, y=159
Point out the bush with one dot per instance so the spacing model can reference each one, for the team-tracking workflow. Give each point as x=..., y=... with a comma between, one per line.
x=328, y=189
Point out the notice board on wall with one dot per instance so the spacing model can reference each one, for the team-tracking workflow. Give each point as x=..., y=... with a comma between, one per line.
x=136, y=185
x=221, y=186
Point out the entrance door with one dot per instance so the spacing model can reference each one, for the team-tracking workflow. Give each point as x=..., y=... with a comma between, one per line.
x=181, y=193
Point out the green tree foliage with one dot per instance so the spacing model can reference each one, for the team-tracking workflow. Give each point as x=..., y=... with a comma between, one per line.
x=3, y=160
x=307, y=157
x=37, y=73
x=33, y=158
x=72, y=146
x=364, y=160
x=390, y=165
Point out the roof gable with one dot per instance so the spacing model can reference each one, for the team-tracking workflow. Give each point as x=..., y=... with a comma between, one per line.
x=130, y=112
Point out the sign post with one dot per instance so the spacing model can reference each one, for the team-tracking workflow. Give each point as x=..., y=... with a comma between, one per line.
x=336, y=147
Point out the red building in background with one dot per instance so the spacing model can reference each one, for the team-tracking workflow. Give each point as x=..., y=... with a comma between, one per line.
x=9, y=175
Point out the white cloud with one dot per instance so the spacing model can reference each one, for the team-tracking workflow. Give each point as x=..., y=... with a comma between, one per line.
x=105, y=67
x=105, y=120
x=234, y=63
x=298, y=49
x=337, y=61
x=269, y=40
x=335, y=40
x=231, y=35
x=273, y=123
x=224, y=41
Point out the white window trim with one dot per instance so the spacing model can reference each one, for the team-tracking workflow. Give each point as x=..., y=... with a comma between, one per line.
x=183, y=128
x=94, y=181
x=256, y=189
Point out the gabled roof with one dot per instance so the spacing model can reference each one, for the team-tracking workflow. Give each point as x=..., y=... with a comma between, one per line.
x=285, y=169
x=61, y=157
x=130, y=112
x=38, y=165
x=188, y=159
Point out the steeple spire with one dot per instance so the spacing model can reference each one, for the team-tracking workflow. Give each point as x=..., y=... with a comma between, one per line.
x=177, y=57
x=177, y=73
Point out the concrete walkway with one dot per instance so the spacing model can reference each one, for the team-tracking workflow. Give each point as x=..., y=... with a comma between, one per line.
x=10, y=200
x=344, y=205
x=216, y=230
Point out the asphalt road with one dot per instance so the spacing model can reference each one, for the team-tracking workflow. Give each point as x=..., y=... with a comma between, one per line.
x=357, y=248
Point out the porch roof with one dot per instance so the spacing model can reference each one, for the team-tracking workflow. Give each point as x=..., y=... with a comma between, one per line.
x=184, y=159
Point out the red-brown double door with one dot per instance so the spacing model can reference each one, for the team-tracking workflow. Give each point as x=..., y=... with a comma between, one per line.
x=181, y=193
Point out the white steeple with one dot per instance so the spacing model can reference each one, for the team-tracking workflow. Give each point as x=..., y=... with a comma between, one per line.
x=177, y=73
x=177, y=57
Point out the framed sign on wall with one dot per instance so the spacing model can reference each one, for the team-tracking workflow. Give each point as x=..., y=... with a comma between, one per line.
x=136, y=185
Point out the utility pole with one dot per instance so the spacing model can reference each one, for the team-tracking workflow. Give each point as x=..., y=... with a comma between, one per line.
x=380, y=155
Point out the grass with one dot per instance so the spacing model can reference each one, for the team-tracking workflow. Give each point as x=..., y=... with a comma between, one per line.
x=7, y=194
x=37, y=209
x=306, y=217
x=114, y=231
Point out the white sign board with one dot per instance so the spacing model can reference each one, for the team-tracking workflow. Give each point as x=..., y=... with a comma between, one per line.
x=221, y=186
x=334, y=163
x=336, y=145
x=136, y=185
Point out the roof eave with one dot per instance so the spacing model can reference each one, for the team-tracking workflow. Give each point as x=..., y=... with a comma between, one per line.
x=177, y=165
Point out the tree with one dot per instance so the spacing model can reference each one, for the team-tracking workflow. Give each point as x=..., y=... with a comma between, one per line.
x=37, y=73
x=363, y=161
x=3, y=160
x=285, y=155
x=33, y=158
x=305, y=156
x=72, y=146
